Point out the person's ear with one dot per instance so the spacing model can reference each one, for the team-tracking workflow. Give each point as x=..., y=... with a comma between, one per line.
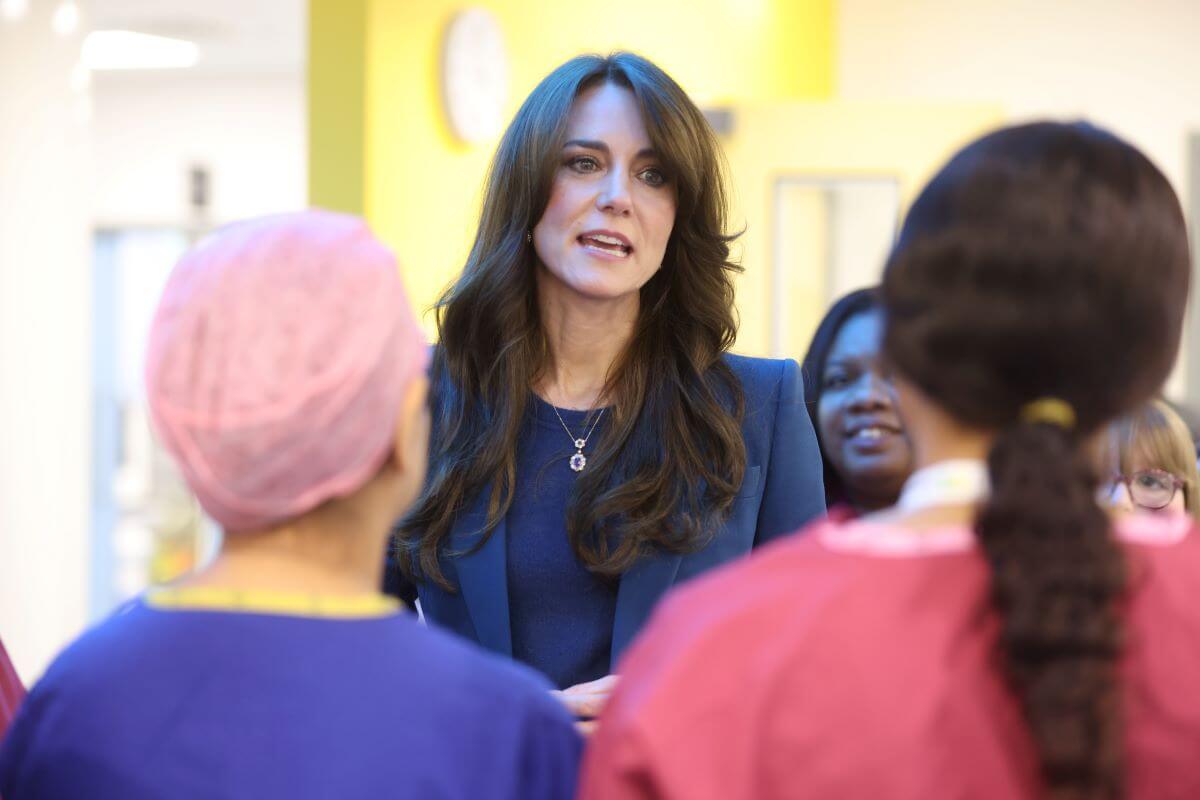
x=410, y=440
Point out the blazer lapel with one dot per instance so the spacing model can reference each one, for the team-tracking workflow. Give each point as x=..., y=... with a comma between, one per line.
x=483, y=576
x=640, y=589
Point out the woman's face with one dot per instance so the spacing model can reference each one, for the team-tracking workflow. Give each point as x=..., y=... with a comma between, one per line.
x=611, y=210
x=861, y=432
x=1148, y=480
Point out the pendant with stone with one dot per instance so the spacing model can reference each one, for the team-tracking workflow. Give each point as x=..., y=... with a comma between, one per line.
x=579, y=460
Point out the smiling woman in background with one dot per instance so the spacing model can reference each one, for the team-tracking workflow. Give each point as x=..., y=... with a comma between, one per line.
x=866, y=454
x=594, y=442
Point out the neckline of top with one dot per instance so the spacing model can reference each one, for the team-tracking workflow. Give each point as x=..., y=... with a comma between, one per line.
x=573, y=418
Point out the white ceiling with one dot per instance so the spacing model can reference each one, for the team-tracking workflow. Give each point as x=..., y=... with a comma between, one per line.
x=234, y=36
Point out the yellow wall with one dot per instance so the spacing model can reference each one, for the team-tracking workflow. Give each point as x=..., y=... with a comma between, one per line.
x=336, y=104
x=421, y=187
x=907, y=142
x=770, y=61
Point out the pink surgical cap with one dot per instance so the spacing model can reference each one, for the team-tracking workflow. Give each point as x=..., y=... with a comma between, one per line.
x=278, y=359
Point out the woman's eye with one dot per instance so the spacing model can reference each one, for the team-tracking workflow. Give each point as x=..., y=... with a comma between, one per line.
x=835, y=380
x=584, y=164
x=653, y=177
x=1151, y=482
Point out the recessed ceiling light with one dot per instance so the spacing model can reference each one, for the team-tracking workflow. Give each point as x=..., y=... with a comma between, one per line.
x=66, y=18
x=104, y=50
x=14, y=9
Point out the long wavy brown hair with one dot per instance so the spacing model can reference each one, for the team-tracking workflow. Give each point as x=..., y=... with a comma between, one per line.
x=670, y=460
x=1047, y=260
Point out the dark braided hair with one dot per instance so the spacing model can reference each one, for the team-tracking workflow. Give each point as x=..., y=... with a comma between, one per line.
x=1046, y=260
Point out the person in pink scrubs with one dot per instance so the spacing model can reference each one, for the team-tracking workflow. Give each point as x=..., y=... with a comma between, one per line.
x=994, y=634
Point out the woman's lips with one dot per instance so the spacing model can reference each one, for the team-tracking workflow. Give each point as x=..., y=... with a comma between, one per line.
x=605, y=245
x=872, y=438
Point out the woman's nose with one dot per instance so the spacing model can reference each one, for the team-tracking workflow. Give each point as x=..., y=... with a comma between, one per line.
x=615, y=194
x=872, y=391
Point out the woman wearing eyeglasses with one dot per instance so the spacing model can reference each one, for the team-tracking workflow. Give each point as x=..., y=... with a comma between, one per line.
x=1152, y=462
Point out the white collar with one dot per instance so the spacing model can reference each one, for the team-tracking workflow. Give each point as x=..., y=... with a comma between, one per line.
x=962, y=482
x=959, y=481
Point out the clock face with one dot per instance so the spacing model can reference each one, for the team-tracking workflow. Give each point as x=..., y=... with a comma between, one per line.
x=474, y=75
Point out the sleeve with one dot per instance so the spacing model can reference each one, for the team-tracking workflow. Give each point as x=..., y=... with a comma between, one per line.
x=620, y=762
x=617, y=767
x=674, y=729
x=794, y=490
x=21, y=769
x=12, y=757
x=550, y=753
x=11, y=691
x=62, y=773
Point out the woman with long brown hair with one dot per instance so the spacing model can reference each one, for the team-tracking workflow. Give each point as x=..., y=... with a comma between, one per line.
x=994, y=634
x=594, y=442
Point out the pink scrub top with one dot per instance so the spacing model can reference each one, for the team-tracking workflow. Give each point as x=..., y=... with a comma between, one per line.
x=858, y=661
x=11, y=691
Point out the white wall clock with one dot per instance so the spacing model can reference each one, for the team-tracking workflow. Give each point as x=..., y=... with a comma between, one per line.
x=474, y=75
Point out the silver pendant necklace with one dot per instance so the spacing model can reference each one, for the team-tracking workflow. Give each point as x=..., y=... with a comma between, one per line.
x=579, y=460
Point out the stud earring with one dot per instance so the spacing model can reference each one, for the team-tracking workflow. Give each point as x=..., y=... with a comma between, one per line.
x=528, y=237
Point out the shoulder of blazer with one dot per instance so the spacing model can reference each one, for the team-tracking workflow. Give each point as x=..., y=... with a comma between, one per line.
x=760, y=377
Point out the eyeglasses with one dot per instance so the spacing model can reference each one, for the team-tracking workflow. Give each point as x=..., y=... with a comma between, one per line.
x=1148, y=488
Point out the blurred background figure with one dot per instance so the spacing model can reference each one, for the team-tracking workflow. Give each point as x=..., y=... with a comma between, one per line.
x=1149, y=463
x=12, y=691
x=866, y=454
x=286, y=377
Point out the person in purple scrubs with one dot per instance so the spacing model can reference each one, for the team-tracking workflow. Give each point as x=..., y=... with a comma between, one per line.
x=286, y=376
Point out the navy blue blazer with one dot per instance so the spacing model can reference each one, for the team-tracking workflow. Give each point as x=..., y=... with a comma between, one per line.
x=781, y=491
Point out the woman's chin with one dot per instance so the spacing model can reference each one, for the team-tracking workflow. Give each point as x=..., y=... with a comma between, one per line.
x=599, y=290
x=599, y=282
x=880, y=477
x=894, y=462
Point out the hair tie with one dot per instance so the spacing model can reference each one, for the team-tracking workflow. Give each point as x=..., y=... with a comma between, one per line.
x=1049, y=410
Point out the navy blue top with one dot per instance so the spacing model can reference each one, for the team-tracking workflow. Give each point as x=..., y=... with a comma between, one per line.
x=781, y=491
x=561, y=614
x=216, y=705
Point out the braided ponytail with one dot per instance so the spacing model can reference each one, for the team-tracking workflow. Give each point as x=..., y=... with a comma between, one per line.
x=1050, y=261
x=1056, y=577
